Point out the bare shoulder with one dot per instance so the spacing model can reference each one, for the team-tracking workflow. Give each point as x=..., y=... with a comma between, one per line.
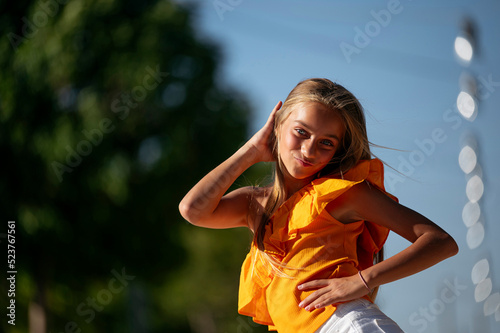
x=349, y=206
x=261, y=194
x=368, y=203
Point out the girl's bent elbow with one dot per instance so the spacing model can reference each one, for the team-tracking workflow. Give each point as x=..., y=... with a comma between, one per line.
x=455, y=248
x=451, y=246
x=187, y=212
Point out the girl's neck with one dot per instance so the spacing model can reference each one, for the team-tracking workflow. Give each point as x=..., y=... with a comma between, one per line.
x=292, y=185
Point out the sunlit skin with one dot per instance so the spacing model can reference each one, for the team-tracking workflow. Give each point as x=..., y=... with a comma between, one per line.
x=308, y=139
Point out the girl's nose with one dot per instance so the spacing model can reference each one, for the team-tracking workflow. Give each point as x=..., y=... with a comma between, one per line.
x=307, y=149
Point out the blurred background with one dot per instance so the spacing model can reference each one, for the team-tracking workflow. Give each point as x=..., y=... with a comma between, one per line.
x=111, y=110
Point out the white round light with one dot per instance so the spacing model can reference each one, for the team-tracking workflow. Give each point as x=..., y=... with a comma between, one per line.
x=475, y=235
x=480, y=271
x=463, y=48
x=483, y=290
x=466, y=105
x=492, y=303
x=471, y=213
x=467, y=159
x=474, y=188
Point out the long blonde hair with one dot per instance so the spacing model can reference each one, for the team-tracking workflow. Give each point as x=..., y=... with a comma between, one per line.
x=354, y=145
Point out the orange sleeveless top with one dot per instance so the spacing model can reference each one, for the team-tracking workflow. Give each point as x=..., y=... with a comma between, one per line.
x=307, y=243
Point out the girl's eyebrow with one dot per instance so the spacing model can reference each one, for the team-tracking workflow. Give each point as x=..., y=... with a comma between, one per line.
x=333, y=136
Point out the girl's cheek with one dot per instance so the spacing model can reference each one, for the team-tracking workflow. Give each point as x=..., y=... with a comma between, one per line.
x=327, y=157
x=322, y=165
x=290, y=141
x=325, y=160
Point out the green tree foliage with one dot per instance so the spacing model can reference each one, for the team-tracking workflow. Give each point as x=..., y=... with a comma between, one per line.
x=109, y=111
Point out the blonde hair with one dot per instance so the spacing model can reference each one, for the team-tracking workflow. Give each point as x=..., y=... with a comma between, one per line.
x=353, y=148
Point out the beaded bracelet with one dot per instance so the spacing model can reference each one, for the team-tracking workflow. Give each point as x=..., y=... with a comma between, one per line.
x=364, y=282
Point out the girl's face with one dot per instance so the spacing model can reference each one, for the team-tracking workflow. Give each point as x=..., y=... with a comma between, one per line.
x=308, y=139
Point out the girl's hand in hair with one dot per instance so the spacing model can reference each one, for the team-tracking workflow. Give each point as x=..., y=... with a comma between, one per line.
x=262, y=140
x=330, y=291
x=207, y=205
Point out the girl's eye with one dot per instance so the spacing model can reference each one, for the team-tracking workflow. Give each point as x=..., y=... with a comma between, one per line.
x=301, y=131
x=327, y=143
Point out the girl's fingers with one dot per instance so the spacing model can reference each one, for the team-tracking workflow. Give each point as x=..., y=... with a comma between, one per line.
x=276, y=108
x=318, y=299
x=321, y=286
x=313, y=284
x=320, y=302
x=311, y=298
x=329, y=291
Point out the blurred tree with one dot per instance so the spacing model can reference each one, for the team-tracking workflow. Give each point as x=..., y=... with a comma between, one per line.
x=109, y=111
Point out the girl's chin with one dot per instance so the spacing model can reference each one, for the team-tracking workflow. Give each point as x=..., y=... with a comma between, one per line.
x=301, y=175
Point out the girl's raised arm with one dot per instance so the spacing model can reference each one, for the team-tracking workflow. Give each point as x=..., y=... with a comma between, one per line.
x=205, y=205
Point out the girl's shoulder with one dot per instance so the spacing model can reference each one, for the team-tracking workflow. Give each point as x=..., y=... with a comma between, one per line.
x=343, y=208
x=261, y=194
x=352, y=205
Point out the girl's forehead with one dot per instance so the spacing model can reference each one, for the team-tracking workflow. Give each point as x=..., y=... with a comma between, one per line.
x=314, y=112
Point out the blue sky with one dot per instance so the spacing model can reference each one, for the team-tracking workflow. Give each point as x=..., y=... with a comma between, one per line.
x=406, y=74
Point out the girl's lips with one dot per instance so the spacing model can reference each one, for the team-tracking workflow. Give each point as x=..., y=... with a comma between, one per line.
x=303, y=163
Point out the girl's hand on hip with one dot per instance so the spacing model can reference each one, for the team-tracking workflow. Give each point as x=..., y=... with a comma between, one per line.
x=330, y=291
x=262, y=140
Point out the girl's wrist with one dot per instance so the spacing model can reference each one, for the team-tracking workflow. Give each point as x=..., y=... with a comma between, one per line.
x=371, y=277
x=370, y=290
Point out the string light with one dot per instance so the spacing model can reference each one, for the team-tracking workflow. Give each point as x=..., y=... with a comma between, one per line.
x=465, y=42
x=467, y=105
x=463, y=48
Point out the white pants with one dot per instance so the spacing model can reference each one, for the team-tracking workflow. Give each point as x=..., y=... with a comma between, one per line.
x=359, y=316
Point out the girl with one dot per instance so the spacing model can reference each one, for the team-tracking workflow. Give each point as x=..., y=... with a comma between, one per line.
x=315, y=260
